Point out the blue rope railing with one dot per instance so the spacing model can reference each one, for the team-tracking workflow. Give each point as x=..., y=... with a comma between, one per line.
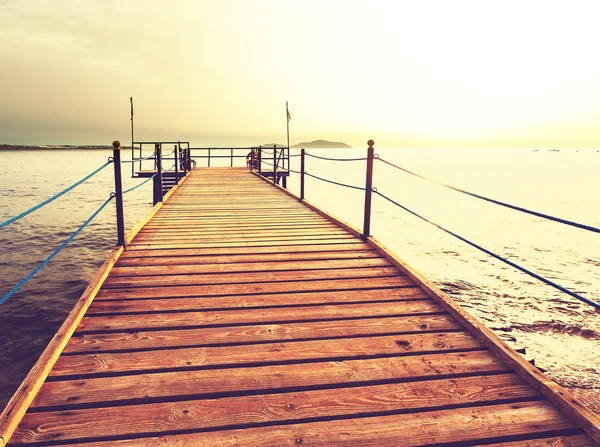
x=54, y=253
x=360, y=188
x=139, y=184
x=334, y=159
x=139, y=159
x=494, y=255
x=497, y=202
x=54, y=197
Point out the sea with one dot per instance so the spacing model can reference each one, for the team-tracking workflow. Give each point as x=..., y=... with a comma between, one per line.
x=557, y=333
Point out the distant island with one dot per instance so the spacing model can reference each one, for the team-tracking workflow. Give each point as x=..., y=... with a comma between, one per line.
x=322, y=144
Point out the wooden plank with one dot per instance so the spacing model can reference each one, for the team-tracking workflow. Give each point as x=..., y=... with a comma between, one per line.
x=264, y=353
x=255, y=289
x=123, y=322
x=243, y=244
x=250, y=277
x=258, y=234
x=243, y=258
x=106, y=391
x=283, y=249
x=258, y=333
x=554, y=441
x=248, y=301
x=466, y=426
x=133, y=420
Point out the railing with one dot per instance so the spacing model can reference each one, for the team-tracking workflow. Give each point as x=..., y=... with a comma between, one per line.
x=240, y=156
x=181, y=150
x=277, y=159
x=369, y=190
x=180, y=168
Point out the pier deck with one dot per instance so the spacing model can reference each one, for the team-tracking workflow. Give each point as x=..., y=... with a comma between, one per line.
x=239, y=316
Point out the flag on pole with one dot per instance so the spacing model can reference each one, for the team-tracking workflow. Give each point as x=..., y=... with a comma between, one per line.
x=287, y=111
x=131, y=101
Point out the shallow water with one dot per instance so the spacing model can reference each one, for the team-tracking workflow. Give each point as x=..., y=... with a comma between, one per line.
x=560, y=334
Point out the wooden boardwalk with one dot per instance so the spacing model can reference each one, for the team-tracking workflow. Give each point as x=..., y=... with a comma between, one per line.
x=239, y=316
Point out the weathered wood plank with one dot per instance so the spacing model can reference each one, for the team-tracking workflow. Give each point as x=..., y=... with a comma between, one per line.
x=123, y=322
x=264, y=353
x=298, y=258
x=247, y=301
x=327, y=241
x=255, y=289
x=466, y=425
x=316, y=248
x=133, y=420
x=107, y=391
x=258, y=333
x=250, y=277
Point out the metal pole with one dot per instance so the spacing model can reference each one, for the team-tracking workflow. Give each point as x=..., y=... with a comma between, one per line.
x=260, y=161
x=274, y=164
x=132, y=154
x=176, y=167
x=368, y=191
x=209, y=157
x=301, y=174
x=231, y=157
x=119, y=193
x=159, y=185
x=287, y=119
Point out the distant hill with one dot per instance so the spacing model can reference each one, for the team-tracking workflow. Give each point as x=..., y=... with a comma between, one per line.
x=273, y=144
x=322, y=144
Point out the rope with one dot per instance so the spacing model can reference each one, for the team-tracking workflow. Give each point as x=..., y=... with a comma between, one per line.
x=139, y=184
x=497, y=202
x=494, y=255
x=139, y=159
x=54, y=197
x=54, y=253
x=335, y=183
x=335, y=159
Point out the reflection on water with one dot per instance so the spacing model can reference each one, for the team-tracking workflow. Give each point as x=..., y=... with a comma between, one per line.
x=559, y=334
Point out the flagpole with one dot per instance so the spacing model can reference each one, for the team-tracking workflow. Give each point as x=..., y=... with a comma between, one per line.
x=287, y=119
x=132, y=154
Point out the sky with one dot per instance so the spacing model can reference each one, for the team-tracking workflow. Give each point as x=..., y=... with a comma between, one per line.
x=218, y=72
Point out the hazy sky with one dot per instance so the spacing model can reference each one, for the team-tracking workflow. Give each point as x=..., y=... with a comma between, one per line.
x=405, y=73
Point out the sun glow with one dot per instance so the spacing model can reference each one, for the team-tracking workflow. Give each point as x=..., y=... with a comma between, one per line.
x=412, y=73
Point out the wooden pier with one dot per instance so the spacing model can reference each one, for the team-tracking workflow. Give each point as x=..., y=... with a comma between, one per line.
x=238, y=316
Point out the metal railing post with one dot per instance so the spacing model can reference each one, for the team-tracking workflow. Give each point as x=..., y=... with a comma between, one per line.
x=176, y=165
x=231, y=164
x=260, y=161
x=301, y=174
x=274, y=164
x=368, y=191
x=158, y=189
x=119, y=193
x=209, y=157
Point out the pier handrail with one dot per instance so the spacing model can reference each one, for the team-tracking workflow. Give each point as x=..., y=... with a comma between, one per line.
x=55, y=196
x=117, y=195
x=497, y=202
x=369, y=190
x=42, y=264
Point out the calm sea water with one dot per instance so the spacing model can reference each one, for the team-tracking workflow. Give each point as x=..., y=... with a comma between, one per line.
x=560, y=334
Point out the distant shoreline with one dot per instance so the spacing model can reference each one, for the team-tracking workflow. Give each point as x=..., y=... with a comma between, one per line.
x=46, y=147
